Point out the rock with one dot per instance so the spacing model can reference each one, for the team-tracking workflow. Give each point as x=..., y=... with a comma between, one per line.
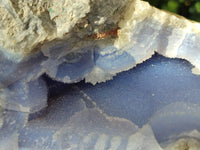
x=115, y=34
x=27, y=25
x=48, y=46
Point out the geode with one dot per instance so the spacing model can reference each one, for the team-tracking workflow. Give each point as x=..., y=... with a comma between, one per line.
x=75, y=75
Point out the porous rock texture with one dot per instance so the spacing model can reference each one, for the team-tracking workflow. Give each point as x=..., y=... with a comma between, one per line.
x=26, y=25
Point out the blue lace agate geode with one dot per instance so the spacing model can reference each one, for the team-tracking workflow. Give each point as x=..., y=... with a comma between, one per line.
x=77, y=88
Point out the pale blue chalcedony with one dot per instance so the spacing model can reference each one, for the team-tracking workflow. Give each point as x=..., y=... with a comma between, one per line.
x=47, y=105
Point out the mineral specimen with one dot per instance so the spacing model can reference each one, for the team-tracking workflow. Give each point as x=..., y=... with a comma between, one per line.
x=48, y=47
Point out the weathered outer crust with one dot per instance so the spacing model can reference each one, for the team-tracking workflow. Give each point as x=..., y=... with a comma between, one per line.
x=25, y=25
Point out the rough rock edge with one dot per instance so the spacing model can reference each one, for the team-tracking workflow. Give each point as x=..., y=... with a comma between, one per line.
x=26, y=25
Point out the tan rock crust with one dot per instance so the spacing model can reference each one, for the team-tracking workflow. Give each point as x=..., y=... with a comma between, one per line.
x=25, y=25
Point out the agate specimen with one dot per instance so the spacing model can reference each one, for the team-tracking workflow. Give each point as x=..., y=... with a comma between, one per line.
x=69, y=80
